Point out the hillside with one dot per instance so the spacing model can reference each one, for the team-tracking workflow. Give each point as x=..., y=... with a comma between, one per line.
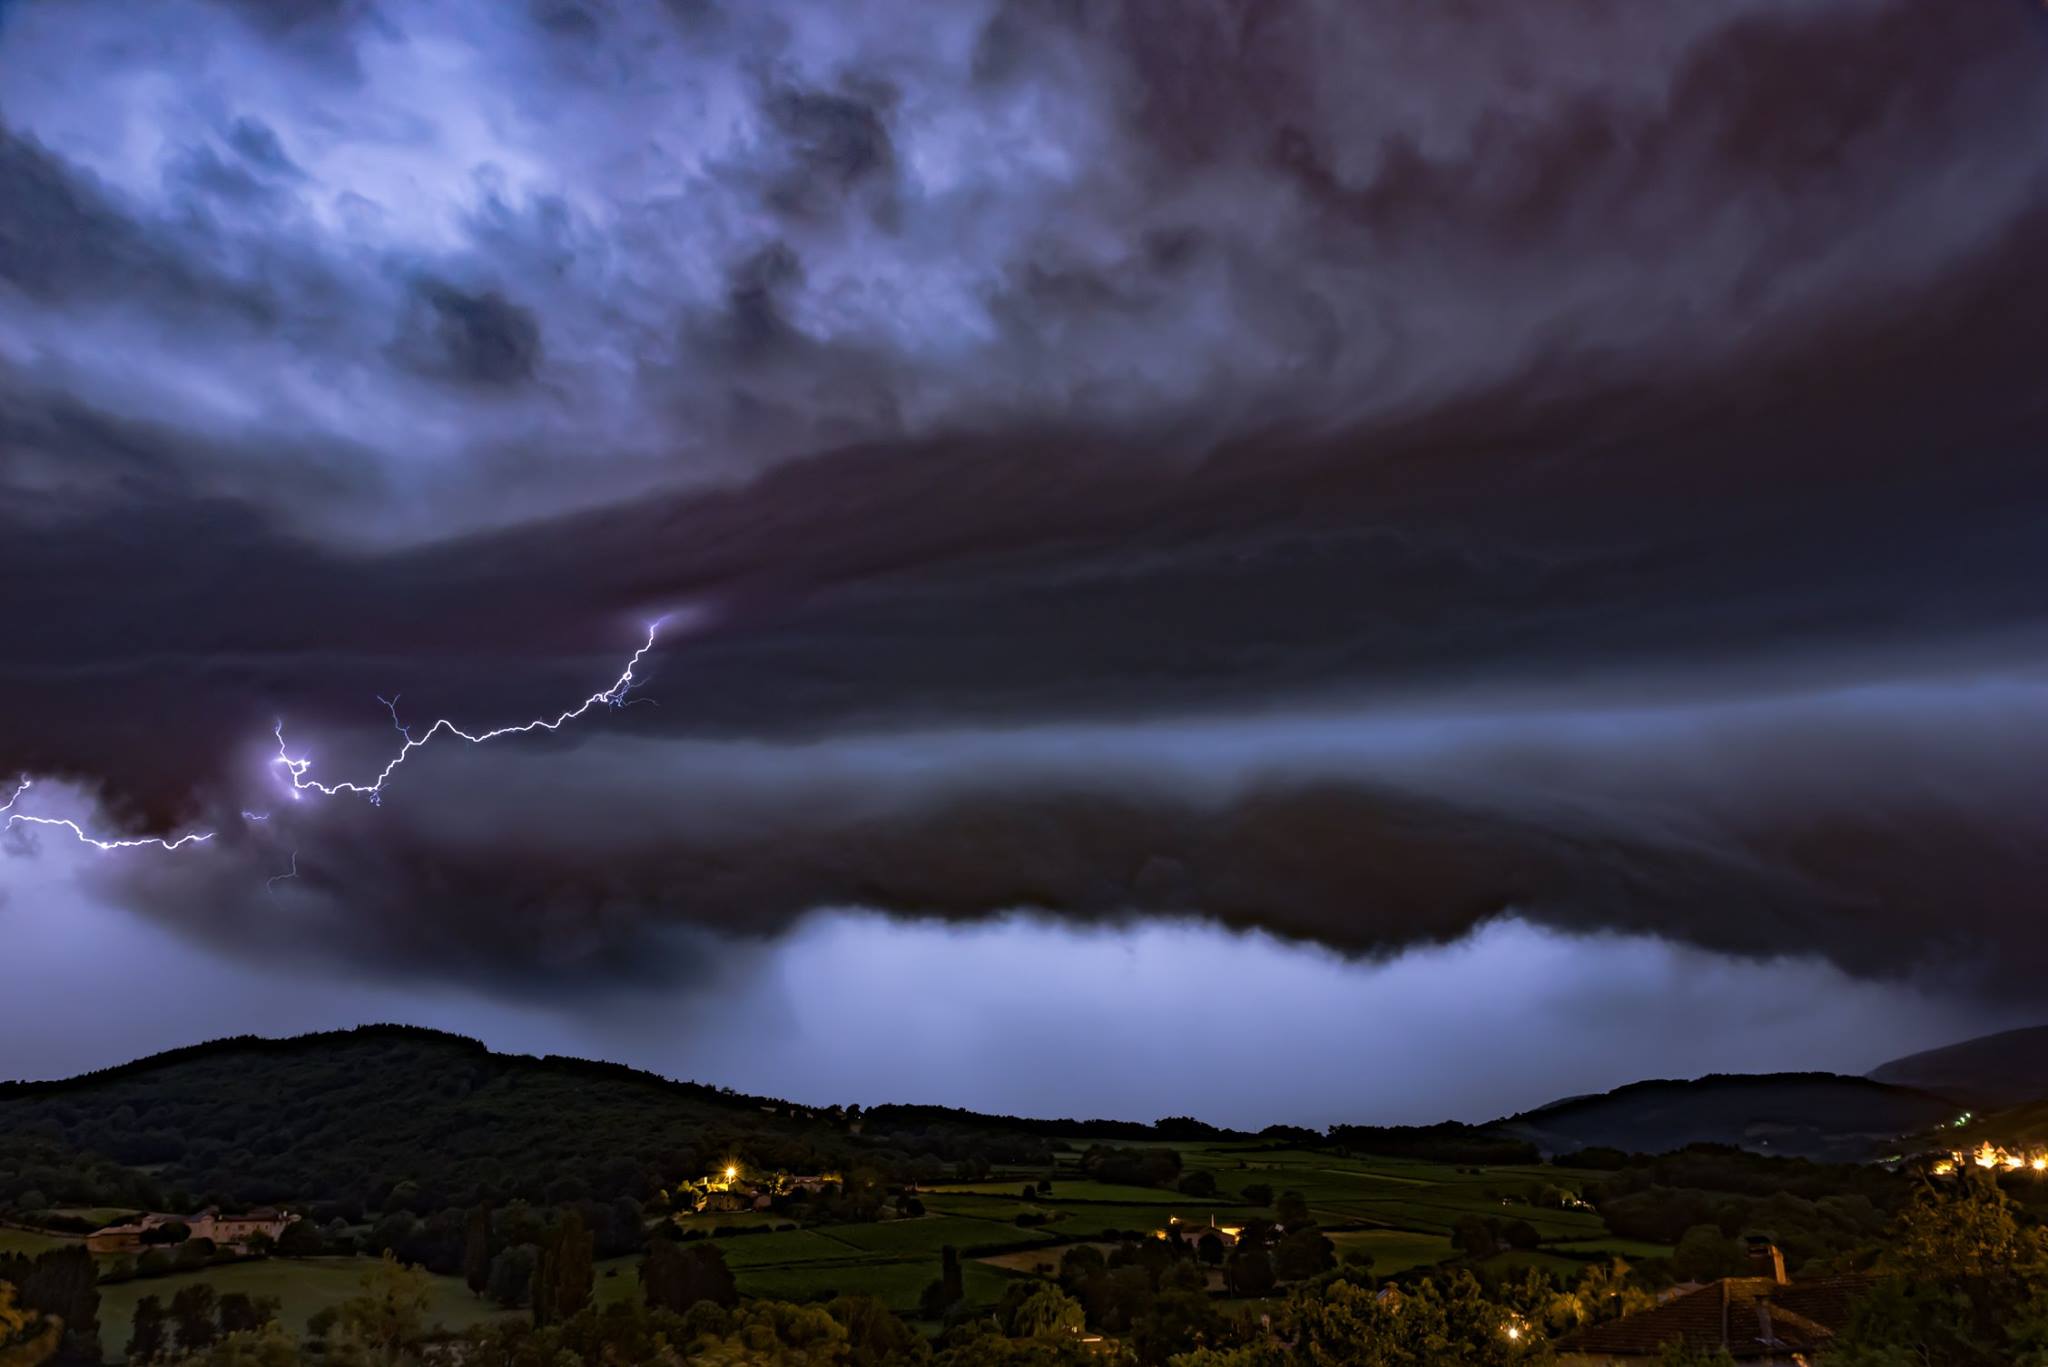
x=1987, y=1073
x=1802, y=1115
x=343, y=1118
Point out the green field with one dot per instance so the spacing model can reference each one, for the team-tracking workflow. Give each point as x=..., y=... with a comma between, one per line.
x=1074, y=1189
x=903, y=1238
x=780, y=1249
x=1394, y=1250
x=302, y=1286
x=29, y=1241
x=898, y=1284
x=1612, y=1247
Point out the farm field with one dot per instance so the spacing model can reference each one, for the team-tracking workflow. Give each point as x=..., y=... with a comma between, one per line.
x=893, y=1261
x=1614, y=1247
x=897, y=1284
x=922, y=1237
x=302, y=1286
x=1072, y=1189
x=1400, y=1211
x=29, y=1241
x=1394, y=1250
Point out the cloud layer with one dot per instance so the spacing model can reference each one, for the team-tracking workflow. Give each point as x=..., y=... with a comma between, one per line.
x=1347, y=470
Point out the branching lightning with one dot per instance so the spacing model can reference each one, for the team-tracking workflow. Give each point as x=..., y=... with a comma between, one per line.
x=296, y=770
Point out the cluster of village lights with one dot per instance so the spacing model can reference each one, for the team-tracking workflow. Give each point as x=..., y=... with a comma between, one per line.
x=1995, y=1157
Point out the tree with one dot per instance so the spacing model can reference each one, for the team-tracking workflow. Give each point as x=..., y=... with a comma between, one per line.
x=1199, y=1184
x=575, y=1276
x=1520, y=1234
x=192, y=1317
x=950, y=1276
x=1357, y=1260
x=1291, y=1208
x=388, y=1313
x=476, y=1250
x=1048, y=1311
x=269, y=1346
x=27, y=1339
x=1474, y=1236
x=511, y=1276
x=676, y=1278
x=64, y=1284
x=241, y=1313
x=875, y=1334
x=1303, y=1254
x=1704, y=1253
x=1965, y=1285
x=146, y=1334
x=1258, y=1193
x=1209, y=1248
x=1249, y=1272
x=1448, y=1322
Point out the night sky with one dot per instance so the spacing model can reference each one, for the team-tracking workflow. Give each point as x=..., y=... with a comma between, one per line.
x=1278, y=560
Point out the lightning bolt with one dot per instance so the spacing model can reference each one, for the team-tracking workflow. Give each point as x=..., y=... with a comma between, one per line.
x=23, y=818
x=296, y=769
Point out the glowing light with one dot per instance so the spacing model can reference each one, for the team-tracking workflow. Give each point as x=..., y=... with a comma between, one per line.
x=64, y=823
x=1993, y=1157
x=731, y=1172
x=295, y=769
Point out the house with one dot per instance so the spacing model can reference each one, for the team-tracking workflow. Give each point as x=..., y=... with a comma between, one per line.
x=237, y=1231
x=126, y=1237
x=226, y=1231
x=1225, y=1234
x=1762, y=1319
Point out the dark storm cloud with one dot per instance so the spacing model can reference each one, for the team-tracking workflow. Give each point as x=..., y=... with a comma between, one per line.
x=482, y=338
x=1065, y=366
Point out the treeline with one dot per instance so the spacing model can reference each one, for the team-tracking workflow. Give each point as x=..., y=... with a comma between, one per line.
x=1446, y=1142
x=1707, y=1197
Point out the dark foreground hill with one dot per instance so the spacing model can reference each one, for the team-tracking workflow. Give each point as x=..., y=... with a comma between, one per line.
x=1798, y=1115
x=345, y=1117
x=1987, y=1073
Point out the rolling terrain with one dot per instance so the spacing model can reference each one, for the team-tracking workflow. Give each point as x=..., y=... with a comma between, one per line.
x=1988, y=1073
x=1821, y=1116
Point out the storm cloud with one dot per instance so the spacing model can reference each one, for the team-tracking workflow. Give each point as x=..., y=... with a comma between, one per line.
x=1348, y=471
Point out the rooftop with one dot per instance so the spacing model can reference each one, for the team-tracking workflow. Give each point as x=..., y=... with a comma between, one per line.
x=1751, y=1317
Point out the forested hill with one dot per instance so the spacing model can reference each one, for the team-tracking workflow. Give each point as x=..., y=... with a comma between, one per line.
x=347, y=1116
x=360, y=1119
x=2006, y=1069
x=1805, y=1115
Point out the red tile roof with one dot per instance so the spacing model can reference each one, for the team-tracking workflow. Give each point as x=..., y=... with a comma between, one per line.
x=1749, y=1316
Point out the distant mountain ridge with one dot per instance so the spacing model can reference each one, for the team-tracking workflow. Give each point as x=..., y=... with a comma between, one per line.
x=1824, y=1116
x=1990, y=1072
